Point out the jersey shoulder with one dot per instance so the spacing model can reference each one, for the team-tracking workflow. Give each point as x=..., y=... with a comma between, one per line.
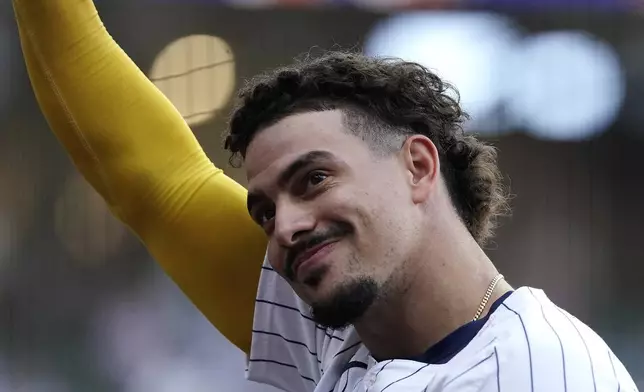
x=539, y=346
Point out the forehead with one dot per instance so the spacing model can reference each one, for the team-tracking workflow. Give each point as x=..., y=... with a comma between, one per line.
x=275, y=147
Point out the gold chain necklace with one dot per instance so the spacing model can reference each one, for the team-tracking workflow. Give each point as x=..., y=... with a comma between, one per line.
x=486, y=297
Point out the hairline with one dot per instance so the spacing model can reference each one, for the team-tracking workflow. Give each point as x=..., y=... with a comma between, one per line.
x=383, y=141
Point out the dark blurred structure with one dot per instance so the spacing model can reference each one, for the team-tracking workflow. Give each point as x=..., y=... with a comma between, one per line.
x=558, y=87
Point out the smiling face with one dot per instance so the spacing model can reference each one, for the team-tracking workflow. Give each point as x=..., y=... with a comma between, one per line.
x=342, y=220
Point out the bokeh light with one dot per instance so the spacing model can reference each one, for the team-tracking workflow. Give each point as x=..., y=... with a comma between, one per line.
x=565, y=85
x=197, y=73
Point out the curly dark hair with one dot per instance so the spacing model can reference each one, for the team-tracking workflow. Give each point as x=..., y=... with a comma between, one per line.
x=383, y=100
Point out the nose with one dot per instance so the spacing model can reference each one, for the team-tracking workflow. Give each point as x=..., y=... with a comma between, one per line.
x=292, y=220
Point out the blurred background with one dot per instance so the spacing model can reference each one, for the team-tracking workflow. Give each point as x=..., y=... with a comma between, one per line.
x=557, y=85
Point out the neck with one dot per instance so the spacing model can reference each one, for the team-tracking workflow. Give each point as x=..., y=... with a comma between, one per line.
x=435, y=299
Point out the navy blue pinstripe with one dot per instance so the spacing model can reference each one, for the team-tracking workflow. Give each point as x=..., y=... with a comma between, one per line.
x=525, y=332
x=610, y=358
x=346, y=382
x=590, y=360
x=326, y=332
x=315, y=354
x=293, y=308
x=563, y=356
x=267, y=302
x=354, y=364
x=347, y=349
x=406, y=377
x=498, y=371
x=382, y=368
x=470, y=369
x=349, y=366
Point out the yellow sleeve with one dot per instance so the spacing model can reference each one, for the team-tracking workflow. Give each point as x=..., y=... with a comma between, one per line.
x=135, y=149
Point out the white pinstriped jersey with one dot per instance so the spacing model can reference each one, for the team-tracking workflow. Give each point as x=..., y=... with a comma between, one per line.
x=526, y=344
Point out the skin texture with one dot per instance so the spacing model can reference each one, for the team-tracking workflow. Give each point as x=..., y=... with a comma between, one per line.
x=382, y=243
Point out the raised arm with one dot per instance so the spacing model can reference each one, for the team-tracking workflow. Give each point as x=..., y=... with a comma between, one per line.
x=135, y=149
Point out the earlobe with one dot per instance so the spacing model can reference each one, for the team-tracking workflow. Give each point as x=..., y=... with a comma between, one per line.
x=422, y=162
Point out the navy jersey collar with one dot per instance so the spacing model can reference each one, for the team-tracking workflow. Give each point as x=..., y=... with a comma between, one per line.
x=456, y=341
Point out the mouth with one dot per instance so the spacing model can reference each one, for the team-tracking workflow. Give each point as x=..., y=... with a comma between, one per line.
x=311, y=256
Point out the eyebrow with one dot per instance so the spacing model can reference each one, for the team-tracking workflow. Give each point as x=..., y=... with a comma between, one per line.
x=301, y=162
x=287, y=174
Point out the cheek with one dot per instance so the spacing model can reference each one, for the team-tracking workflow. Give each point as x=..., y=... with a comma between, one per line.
x=275, y=257
x=362, y=207
x=345, y=205
x=384, y=215
x=374, y=208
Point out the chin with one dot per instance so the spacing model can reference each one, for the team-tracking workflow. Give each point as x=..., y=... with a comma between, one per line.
x=340, y=306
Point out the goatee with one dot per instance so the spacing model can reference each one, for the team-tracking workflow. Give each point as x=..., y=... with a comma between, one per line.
x=346, y=305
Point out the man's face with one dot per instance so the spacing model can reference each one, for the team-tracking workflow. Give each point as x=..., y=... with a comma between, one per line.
x=340, y=219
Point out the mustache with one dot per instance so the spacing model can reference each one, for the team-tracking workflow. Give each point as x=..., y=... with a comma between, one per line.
x=336, y=231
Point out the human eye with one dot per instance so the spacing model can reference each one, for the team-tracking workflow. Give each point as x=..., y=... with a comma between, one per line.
x=263, y=215
x=316, y=177
x=309, y=183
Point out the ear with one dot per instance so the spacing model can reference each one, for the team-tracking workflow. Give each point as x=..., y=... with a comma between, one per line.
x=420, y=157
